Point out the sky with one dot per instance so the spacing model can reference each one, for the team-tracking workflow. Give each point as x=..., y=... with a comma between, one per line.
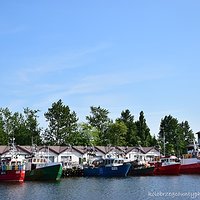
x=117, y=54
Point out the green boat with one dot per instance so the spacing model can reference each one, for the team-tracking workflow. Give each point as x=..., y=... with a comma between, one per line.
x=38, y=169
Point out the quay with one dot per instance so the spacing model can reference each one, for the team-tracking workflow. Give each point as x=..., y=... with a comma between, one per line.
x=72, y=172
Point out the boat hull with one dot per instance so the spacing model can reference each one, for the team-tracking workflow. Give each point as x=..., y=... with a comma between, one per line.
x=193, y=168
x=107, y=171
x=46, y=173
x=12, y=175
x=143, y=171
x=172, y=169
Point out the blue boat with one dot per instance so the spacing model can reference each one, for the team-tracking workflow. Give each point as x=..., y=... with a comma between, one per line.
x=108, y=167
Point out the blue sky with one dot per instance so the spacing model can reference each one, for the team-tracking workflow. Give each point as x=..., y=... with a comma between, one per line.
x=125, y=54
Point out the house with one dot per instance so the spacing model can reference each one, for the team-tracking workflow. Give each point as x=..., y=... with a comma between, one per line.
x=151, y=153
x=71, y=156
x=4, y=150
x=76, y=156
x=142, y=153
x=135, y=153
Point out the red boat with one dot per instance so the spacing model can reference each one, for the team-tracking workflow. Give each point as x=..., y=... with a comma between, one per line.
x=12, y=167
x=190, y=166
x=167, y=166
x=12, y=170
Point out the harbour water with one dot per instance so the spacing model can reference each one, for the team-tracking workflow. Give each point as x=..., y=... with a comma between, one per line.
x=82, y=188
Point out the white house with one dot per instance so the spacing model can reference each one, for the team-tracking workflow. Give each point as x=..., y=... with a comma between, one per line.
x=142, y=154
x=75, y=156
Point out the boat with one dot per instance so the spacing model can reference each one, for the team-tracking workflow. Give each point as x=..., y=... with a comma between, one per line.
x=141, y=169
x=168, y=165
x=190, y=162
x=38, y=168
x=107, y=167
x=12, y=170
x=12, y=167
x=190, y=166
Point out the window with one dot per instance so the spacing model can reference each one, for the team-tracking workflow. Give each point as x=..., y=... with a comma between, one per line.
x=66, y=158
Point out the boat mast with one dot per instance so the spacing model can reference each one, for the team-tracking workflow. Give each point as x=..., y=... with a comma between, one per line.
x=12, y=147
x=164, y=142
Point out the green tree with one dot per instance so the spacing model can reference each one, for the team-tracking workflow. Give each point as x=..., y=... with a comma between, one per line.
x=116, y=134
x=131, y=134
x=86, y=135
x=19, y=131
x=26, y=127
x=175, y=135
x=187, y=132
x=32, y=126
x=154, y=141
x=184, y=138
x=22, y=127
x=99, y=119
x=7, y=125
x=143, y=131
x=168, y=134
x=62, y=127
x=3, y=135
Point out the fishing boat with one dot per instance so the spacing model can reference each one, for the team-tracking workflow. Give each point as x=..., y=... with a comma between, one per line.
x=12, y=170
x=190, y=162
x=141, y=169
x=107, y=167
x=39, y=168
x=12, y=167
x=168, y=165
x=190, y=166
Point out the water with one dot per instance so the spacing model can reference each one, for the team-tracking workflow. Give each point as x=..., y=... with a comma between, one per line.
x=81, y=188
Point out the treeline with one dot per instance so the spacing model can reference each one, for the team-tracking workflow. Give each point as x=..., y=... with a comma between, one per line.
x=98, y=130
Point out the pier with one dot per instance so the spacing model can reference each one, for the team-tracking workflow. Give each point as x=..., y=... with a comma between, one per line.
x=72, y=172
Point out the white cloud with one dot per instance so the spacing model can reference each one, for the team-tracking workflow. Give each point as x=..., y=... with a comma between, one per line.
x=55, y=63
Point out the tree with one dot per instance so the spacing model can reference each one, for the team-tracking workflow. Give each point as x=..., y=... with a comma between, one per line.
x=22, y=127
x=116, y=134
x=32, y=125
x=143, y=131
x=62, y=127
x=99, y=119
x=25, y=127
x=187, y=132
x=185, y=137
x=3, y=135
x=154, y=141
x=7, y=125
x=131, y=134
x=168, y=134
x=176, y=136
x=87, y=135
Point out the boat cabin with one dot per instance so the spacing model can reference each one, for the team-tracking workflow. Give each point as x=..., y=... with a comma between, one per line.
x=9, y=163
x=35, y=162
x=168, y=160
x=107, y=162
x=113, y=161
